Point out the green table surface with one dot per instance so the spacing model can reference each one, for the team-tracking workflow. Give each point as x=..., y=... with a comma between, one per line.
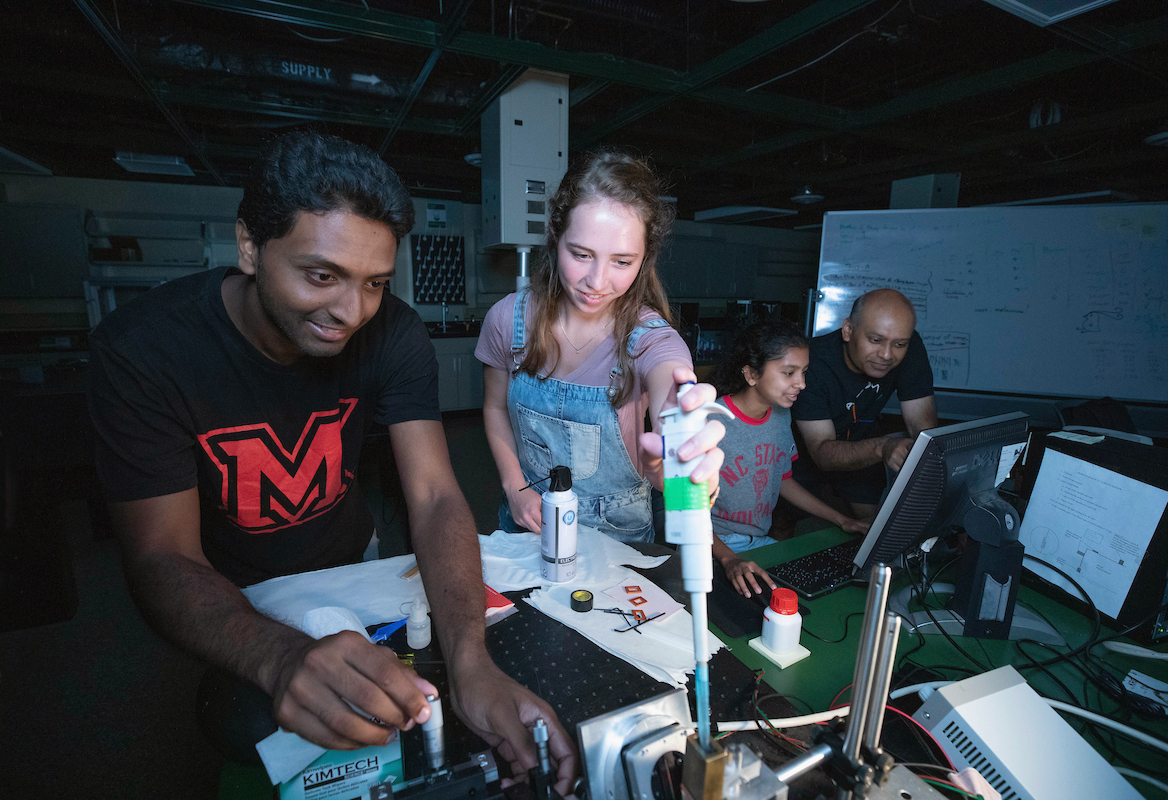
x=829, y=669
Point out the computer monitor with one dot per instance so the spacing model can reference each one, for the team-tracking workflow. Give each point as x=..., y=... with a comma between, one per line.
x=950, y=480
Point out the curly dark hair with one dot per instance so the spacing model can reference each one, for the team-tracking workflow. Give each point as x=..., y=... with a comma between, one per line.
x=630, y=181
x=755, y=346
x=307, y=171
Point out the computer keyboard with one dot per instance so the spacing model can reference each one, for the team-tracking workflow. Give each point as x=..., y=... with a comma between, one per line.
x=819, y=573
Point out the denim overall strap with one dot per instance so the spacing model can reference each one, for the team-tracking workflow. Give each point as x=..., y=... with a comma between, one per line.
x=634, y=337
x=519, y=329
x=556, y=422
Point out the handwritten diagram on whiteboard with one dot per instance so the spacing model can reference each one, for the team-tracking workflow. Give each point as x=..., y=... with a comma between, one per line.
x=1049, y=300
x=1093, y=524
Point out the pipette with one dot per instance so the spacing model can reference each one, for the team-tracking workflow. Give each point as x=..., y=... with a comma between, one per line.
x=687, y=525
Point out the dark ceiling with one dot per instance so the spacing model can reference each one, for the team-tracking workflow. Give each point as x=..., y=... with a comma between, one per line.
x=857, y=93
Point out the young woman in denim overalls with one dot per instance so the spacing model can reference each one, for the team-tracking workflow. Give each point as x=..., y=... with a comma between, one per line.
x=573, y=361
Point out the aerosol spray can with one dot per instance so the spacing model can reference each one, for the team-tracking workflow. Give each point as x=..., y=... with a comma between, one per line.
x=558, y=528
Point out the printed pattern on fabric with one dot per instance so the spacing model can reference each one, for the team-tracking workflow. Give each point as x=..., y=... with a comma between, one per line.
x=759, y=453
x=180, y=399
x=266, y=487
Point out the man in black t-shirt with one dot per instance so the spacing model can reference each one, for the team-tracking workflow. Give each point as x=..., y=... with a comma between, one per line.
x=230, y=409
x=852, y=374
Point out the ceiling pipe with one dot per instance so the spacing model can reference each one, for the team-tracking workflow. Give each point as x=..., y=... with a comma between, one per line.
x=98, y=20
x=450, y=24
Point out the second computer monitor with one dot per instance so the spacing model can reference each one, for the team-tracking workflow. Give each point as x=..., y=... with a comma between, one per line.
x=949, y=472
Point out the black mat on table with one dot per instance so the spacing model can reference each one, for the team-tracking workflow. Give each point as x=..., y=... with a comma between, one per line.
x=574, y=676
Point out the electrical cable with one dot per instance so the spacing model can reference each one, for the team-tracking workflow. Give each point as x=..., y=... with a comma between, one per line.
x=1034, y=663
x=953, y=787
x=1097, y=622
x=790, y=698
x=838, y=695
x=913, y=721
x=1148, y=779
x=825, y=716
x=909, y=676
x=1134, y=650
x=847, y=621
x=1110, y=686
x=330, y=40
x=914, y=765
x=761, y=717
x=869, y=28
x=904, y=659
x=922, y=593
x=1162, y=607
x=1124, y=730
x=813, y=61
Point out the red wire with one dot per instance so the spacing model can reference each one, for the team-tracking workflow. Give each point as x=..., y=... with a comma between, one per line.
x=839, y=694
x=948, y=760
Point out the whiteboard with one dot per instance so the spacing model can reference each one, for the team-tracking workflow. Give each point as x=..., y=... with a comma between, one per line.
x=1043, y=300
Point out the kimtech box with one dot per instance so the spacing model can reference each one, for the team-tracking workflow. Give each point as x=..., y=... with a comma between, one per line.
x=345, y=774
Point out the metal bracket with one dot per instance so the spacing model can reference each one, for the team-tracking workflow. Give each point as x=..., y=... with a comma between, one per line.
x=602, y=740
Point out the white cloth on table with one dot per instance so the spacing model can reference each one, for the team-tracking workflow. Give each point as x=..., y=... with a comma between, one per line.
x=373, y=590
x=511, y=560
x=285, y=754
x=664, y=649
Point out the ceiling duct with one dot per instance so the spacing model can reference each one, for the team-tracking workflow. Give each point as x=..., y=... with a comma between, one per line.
x=11, y=162
x=1044, y=12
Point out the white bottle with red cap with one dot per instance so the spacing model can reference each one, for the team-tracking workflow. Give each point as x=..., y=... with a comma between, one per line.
x=781, y=622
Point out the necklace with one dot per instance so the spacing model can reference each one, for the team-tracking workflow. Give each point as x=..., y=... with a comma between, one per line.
x=581, y=347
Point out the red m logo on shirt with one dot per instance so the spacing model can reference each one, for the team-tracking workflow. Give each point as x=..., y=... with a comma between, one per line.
x=266, y=487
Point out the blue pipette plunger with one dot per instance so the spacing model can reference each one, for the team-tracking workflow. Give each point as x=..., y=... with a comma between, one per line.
x=687, y=525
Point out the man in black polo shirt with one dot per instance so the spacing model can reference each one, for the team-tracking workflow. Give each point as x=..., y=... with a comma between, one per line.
x=852, y=374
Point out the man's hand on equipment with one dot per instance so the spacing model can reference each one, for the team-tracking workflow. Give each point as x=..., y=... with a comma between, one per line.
x=318, y=681
x=502, y=712
x=895, y=451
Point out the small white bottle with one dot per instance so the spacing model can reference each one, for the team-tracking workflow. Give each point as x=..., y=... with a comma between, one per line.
x=418, y=626
x=781, y=622
x=558, y=510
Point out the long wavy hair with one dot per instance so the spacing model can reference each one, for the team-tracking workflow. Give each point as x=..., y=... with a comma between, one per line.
x=755, y=346
x=621, y=178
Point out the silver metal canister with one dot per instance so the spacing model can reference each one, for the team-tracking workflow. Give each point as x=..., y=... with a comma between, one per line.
x=558, y=528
